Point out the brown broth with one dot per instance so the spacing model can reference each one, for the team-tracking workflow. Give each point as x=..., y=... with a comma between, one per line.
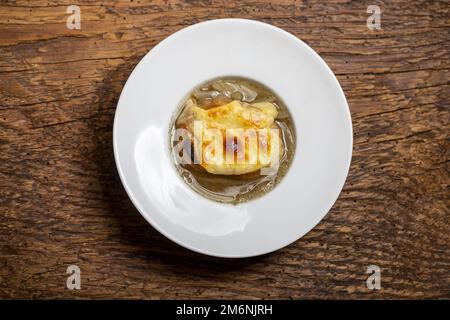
x=236, y=189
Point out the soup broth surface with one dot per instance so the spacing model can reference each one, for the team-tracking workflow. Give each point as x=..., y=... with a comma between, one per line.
x=214, y=182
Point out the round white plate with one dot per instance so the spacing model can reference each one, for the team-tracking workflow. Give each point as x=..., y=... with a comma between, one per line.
x=269, y=55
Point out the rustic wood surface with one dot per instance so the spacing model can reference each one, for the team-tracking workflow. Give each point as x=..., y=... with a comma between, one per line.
x=62, y=203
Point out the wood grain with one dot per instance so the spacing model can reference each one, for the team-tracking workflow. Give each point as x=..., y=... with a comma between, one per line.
x=61, y=201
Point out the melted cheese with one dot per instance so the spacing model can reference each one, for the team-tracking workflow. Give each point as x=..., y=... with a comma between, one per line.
x=235, y=119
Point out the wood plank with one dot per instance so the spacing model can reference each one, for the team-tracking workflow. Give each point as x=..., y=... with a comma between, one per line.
x=62, y=203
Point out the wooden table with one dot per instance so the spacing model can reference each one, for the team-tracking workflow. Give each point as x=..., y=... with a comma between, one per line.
x=62, y=203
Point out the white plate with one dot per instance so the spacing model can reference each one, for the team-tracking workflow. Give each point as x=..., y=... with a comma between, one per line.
x=259, y=51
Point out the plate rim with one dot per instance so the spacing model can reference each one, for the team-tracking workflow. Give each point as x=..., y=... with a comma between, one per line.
x=128, y=188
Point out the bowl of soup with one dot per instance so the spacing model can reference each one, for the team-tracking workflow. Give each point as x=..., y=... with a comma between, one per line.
x=232, y=138
x=224, y=136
